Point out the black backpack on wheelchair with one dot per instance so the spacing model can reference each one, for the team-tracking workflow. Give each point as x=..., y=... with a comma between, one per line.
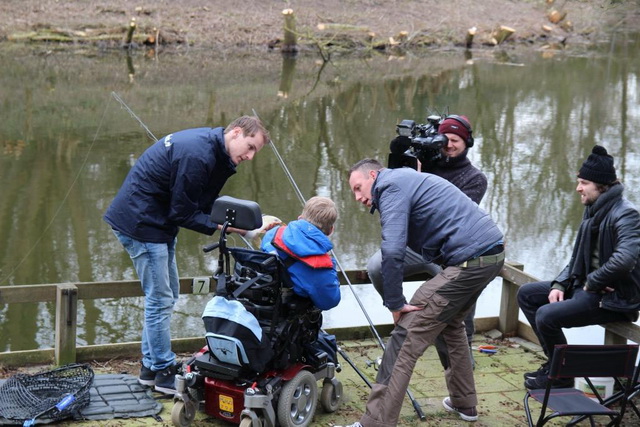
x=255, y=322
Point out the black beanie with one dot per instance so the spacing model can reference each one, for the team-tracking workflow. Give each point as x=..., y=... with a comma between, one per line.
x=598, y=167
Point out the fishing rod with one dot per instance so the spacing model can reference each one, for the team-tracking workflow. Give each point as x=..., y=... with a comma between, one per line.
x=303, y=201
x=154, y=139
x=132, y=114
x=355, y=368
x=339, y=349
x=76, y=178
x=414, y=402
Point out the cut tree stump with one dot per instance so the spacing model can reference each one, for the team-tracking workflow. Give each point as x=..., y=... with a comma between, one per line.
x=502, y=33
x=290, y=40
x=471, y=33
x=131, y=30
x=555, y=16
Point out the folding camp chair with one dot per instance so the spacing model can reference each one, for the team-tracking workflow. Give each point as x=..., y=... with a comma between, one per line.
x=572, y=361
x=620, y=394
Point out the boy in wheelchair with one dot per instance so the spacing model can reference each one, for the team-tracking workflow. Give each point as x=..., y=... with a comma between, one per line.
x=304, y=247
x=269, y=313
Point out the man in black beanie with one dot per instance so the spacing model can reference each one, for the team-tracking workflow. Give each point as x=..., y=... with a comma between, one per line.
x=601, y=283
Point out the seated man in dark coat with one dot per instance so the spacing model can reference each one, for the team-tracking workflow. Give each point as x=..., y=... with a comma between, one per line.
x=601, y=283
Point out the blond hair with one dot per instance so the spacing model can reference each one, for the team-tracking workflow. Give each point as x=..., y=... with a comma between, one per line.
x=321, y=212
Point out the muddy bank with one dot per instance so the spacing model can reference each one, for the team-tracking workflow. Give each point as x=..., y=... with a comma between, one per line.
x=325, y=27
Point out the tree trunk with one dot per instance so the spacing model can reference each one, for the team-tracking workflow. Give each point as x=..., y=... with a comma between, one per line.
x=290, y=42
x=132, y=28
x=471, y=32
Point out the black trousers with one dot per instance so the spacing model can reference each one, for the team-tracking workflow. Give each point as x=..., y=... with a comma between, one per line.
x=547, y=319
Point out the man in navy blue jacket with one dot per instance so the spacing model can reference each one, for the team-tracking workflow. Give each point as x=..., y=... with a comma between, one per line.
x=174, y=184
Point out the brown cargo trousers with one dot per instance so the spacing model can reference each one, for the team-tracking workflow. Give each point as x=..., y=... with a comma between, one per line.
x=446, y=298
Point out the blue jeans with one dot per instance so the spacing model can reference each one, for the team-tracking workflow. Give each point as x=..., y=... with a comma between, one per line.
x=156, y=266
x=547, y=319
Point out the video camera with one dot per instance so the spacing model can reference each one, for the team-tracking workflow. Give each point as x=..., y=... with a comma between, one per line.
x=417, y=142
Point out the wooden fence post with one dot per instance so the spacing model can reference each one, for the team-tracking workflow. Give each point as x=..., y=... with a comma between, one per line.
x=66, y=323
x=613, y=338
x=508, y=318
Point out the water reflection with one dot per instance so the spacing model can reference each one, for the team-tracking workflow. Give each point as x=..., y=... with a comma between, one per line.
x=66, y=146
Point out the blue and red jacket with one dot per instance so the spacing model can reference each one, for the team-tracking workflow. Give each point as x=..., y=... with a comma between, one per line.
x=173, y=184
x=314, y=271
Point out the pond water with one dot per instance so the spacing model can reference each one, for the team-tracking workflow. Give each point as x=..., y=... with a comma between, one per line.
x=66, y=145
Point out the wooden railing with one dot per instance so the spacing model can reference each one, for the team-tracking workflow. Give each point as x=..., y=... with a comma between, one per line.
x=66, y=296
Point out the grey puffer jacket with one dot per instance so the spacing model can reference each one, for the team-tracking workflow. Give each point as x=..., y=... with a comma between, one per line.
x=618, y=253
x=432, y=217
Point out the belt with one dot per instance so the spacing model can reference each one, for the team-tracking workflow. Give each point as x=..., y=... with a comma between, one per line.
x=481, y=261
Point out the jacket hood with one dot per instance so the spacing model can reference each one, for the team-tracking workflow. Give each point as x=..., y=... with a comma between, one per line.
x=304, y=239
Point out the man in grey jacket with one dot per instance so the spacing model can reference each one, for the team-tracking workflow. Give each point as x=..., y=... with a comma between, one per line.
x=601, y=283
x=434, y=218
x=454, y=165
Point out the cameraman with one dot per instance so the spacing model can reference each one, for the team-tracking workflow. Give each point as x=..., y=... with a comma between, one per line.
x=454, y=166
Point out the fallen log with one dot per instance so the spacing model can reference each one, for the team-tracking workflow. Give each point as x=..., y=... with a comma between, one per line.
x=341, y=27
x=66, y=36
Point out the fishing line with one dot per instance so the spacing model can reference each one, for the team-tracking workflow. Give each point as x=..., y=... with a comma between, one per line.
x=153, y=137
x=286, y=171
x=298, y=193
x=130, y=111
x=414, y=402
x=303, y=201
x=64, y=199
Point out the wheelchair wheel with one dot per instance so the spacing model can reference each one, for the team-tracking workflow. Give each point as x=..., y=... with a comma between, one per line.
x=331, y=396
x=298, y=400
x=183, y=413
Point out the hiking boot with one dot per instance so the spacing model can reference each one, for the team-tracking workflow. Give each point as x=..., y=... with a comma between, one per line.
x=147, y=376
x=165, y=380
x=541, y=382
x=543, y=370
x=467, y=414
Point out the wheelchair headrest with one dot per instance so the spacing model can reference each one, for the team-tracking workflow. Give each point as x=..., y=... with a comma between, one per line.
x=243, y=214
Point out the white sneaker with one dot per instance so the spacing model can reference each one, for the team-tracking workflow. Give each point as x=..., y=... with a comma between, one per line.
x=356, y=424
x=467, y=414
